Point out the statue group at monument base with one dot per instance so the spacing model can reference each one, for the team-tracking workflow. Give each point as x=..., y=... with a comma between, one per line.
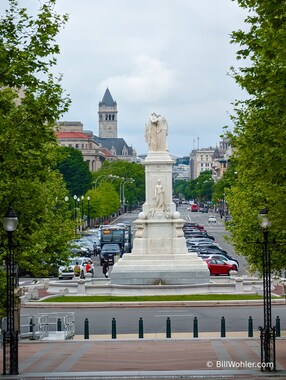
x=160, y=256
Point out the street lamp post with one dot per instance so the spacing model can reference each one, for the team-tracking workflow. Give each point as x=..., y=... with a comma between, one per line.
x=267, y=332
x=130, y=180
x=88, y=211
x=103, y=176
x=82, y=211
x=10, y=336
x=75, y=214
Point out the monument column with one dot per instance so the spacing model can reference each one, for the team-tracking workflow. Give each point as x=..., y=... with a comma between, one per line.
x=159, y=253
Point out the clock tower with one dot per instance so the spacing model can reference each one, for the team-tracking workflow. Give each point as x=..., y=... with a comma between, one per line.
x=107, y=116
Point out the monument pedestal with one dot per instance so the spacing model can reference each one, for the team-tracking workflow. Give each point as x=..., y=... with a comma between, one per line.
x=159, y=254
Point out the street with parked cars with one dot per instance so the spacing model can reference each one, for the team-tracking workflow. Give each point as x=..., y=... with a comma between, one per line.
x=202, y=237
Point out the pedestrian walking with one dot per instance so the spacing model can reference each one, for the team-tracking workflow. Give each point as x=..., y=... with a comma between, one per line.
x=105, y=268
x=76, y=269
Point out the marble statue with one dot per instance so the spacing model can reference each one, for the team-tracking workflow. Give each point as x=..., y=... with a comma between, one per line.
x=160, y=196
x=156, y=132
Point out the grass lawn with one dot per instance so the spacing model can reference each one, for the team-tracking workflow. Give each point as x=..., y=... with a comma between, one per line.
x=193, y=297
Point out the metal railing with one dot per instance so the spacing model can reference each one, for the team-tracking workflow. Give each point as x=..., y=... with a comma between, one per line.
x=46, y=326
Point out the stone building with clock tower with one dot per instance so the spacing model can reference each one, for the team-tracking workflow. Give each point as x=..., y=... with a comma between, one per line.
x=108, y=130
x=107, y=117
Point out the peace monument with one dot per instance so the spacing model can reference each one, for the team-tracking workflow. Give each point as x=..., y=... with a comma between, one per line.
x=159, y=254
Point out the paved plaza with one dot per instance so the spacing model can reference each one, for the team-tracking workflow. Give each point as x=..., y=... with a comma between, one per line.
x=133, y=358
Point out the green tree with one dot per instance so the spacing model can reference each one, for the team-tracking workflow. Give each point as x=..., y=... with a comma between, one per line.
x=134, y=191
x=75, y=171
x=200, y=189
x=259, y=136
x=31, y=100
x=226, y=182
x=104, y=201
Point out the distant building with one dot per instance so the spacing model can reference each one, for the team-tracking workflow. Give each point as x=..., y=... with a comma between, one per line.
x=71, y=134
x=200, y=161
x=108, y=130
x=221, y=159
x=214, y=159
x=95, y=149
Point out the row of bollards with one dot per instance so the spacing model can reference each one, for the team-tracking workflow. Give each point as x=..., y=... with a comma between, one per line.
x=168, y=328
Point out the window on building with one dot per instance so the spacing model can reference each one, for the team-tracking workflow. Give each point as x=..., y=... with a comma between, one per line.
x=106, y=117
x=202, y=157
x=113, y=117
x=82, y=146
x=76, y=145
x=100, y=117
x=70, y=145
x=207, y=157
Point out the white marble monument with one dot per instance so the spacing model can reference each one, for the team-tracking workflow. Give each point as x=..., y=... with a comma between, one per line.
x=159, y=254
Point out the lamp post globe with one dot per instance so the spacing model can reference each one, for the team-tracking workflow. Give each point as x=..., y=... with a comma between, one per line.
x=10, y=220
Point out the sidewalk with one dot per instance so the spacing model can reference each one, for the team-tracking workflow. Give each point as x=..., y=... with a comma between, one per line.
x=125, y=358
x=154, y=357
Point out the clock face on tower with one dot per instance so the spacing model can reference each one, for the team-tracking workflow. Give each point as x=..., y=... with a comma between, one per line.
x=109, y=130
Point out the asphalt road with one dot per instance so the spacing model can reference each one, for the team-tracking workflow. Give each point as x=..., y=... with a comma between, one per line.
x=154, y=318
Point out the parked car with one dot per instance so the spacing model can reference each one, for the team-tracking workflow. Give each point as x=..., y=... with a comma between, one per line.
x=81, y=248
x=199, y=234
x=66, y=271
x=223, y=253
x=193, y=225
x=222, y=258
x=95, y=243
x=211, y=249
x=212, y=219
x=217, y=267
x=108, y=251
x=202, y=242
x=205, y=210
x=87, y=243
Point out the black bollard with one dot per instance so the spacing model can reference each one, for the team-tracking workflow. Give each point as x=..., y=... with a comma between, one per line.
x=113, y=328
x=250, y=327
x=195, y=329
x=222, y=327
x=86, y=329
x=168, y=327
x=32, y=329
x=59, y=325
x=277, y=327
x=31, y=325
x=141, y=330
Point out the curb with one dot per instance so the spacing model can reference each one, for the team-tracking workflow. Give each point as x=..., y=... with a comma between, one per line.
x=39, y=303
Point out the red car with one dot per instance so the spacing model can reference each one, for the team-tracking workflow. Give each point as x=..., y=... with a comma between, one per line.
x=194, y=208
x=218, y=267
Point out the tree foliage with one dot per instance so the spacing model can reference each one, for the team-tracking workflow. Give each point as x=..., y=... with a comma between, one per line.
x=133, y=174
x=75, y=171
x=31, y=101
x=259, y=136
x=199, y=189
x=104, y=201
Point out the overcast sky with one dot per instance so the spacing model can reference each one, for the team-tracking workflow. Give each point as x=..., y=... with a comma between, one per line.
x=166, y=56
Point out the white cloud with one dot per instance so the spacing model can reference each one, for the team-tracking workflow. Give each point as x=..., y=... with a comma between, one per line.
x=149, y=82
x=167, y=56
